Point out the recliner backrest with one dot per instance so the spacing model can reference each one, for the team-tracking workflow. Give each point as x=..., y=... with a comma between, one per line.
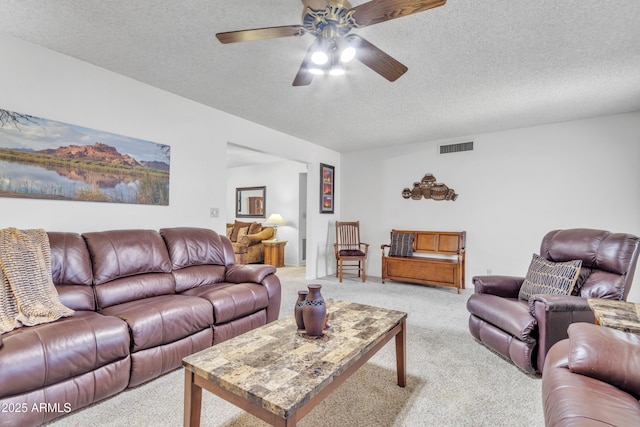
x=71, y=270
x=199, y=256
x=608, y=259
x=129, y=265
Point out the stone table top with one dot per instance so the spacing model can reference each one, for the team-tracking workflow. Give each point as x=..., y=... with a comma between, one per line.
x=621, y=315
x=280, y=368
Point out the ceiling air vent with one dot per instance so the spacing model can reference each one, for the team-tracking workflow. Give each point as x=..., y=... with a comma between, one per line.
x=455, y=148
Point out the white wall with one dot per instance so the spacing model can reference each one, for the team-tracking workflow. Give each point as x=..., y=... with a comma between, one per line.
x=281, y=180
x=513, y=188
x=40, y=82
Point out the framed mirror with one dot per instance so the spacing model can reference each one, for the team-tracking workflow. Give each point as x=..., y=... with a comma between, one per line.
x=251, y=202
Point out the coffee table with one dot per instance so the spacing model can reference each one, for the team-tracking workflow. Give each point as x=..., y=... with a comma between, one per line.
x=279, y=374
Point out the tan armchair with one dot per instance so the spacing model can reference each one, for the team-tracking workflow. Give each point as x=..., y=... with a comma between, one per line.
x=246, y=239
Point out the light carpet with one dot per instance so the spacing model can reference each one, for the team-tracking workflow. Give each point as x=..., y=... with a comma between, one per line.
x=452, y=379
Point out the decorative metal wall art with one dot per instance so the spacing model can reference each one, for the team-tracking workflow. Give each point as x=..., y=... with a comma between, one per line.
x=429, y=189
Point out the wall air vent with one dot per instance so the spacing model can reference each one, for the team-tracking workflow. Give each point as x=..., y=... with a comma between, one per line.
x=456, y=148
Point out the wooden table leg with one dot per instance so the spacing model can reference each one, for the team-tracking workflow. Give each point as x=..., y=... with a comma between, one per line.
x=281, y=422
x=401, y=355
x=192, y=400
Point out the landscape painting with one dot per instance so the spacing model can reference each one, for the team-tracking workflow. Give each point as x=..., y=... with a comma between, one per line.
x=46, y=159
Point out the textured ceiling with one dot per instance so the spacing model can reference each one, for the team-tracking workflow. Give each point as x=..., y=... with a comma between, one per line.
x=474, y=66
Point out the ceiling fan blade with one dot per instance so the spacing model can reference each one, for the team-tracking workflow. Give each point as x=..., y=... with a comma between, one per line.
x=315, y=4
x=260, y=34
x=377, y=60
x=377, y=11
x=304, y=77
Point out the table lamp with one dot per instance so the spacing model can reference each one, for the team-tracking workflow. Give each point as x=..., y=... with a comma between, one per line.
x=275, y=220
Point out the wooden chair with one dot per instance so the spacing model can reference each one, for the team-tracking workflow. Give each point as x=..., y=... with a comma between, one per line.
x=348, y=248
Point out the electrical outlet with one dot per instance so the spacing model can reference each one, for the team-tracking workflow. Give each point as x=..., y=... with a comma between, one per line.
x=214, y=212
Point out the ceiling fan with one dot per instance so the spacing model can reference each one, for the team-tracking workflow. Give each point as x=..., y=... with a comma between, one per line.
x=330, y=22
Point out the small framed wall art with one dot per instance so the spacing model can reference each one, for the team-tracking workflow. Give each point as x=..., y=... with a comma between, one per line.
x=327, y=188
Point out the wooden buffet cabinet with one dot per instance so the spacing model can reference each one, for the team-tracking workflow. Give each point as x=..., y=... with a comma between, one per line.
x=438, y=259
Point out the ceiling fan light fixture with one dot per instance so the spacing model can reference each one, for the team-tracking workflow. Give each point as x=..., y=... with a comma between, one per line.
x=348, y=53
x=316, y=70
x=319, y=57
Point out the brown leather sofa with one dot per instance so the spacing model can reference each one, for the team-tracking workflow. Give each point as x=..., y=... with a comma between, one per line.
x=592, y=378
x=143, y=300
x=524, y=331
x=246, y=239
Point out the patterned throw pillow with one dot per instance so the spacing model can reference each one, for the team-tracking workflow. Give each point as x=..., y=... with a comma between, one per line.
x=401, y=244
x=229, y=230
x=547, y=277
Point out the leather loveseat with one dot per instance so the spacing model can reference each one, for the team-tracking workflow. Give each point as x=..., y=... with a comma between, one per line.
x=142, y=300
x=592, y=378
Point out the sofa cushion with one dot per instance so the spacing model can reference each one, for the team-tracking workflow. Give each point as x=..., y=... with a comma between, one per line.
x=547, y=277
x=198, y=275
x=232, y=300
x=129, y=265
x=38, y=356
x=122, y=253
x=606, y=354
x=239, y=248
x=243, y=231
x=401, y=244
x=162, y=319
x=71, y=270
x=237, y=226
x=190, y=246
x=606, y=258
x=70, y=261
x=134, y=288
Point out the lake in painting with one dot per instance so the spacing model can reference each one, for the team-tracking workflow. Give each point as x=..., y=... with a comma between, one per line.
x=45, y=159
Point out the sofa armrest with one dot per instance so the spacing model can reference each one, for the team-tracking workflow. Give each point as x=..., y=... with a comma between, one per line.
x=559, y=303
x=554, y=314
x=502, y=286
x=605, y=354
x=253, y=239
x=261, y=274
x=251, y=273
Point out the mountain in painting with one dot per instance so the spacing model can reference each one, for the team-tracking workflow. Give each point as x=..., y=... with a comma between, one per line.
x=97, y=152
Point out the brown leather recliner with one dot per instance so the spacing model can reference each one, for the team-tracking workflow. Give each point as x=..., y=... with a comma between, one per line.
x=592, y=378
x=524, y=331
